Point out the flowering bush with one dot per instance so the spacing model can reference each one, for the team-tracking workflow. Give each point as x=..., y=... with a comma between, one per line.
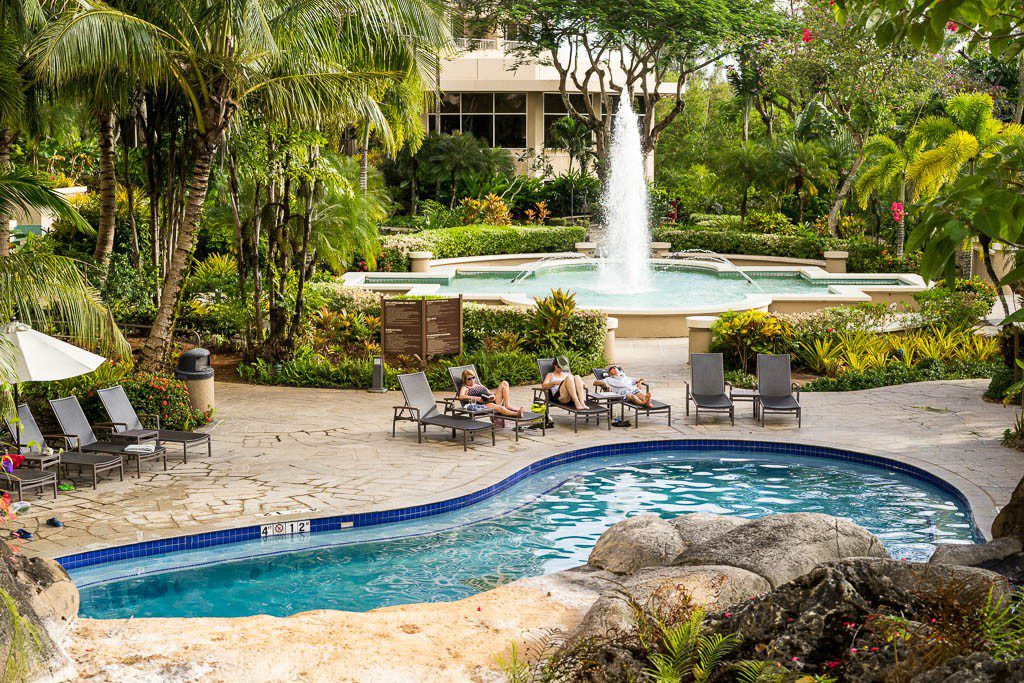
x=963, y=305
x=151, y=393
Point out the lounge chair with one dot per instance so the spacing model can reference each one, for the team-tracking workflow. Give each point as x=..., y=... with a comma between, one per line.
x=79, y=435
x=25, y=478
x=656, y=407
x=456, y=407
x=775, y=387
x=594, y=408
x=30, y=434
x=708, y=390
x=127, y=425
x=421, y=408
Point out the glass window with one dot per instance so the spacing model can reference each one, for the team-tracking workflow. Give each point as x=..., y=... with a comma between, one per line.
x=510, y=130
x=450, y=103
x=510, y=103
x=450, y=123
x=477, y=103
x=553, y=104
x=480, y=126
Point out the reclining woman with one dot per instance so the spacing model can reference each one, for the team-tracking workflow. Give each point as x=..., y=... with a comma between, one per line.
x=624, y=385
x=473, y=393
x=565, y=387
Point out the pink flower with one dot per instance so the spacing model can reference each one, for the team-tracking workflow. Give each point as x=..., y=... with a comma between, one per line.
x=807, y=37
x=853, y=650
x=796, y=659
x=728, y=615
x=898, y=212
x=832, y=664
x=952, y=26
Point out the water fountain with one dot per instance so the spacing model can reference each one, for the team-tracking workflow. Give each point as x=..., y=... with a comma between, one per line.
x=626, y=240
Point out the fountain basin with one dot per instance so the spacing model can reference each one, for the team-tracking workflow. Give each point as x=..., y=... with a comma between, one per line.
x=679, y=288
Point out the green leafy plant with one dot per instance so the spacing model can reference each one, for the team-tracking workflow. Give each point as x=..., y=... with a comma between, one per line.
x=688, y=652
x=744, y=334
x=550, y=317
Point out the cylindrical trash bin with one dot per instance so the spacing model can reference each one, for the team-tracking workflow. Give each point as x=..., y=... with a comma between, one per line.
x=194, y=368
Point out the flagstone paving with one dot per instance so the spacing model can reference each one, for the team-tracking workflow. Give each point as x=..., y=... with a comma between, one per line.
x=319, y=452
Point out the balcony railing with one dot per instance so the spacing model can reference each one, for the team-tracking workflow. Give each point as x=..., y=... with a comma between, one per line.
x=482, y=44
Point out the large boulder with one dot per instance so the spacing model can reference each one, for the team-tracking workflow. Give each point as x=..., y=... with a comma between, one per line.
x=635, y=543
x=783, y=547
x=658, y=590
x=38, y=603
x=978, y=667
x=822, y=615
x=1010, y=520
x=700, y=527
x=1003, y=555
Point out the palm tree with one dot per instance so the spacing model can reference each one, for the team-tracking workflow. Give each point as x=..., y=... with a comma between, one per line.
x=885, y=172
x=221, y=55
x=802, y=167
x=953, y=145
x=575, y=138
x=47, y=291
x=745, y=165
x=454, y=156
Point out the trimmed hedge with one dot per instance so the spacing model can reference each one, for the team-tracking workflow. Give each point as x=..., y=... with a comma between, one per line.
x=866, y=256
x=478, y=240
x=897, y=373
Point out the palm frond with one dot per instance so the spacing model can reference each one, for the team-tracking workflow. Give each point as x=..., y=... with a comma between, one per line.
x=21, y=188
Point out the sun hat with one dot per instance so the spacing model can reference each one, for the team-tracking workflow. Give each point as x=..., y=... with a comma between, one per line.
x=562, y=362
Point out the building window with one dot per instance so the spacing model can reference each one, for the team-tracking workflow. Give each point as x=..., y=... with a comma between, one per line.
x=554, y=109
x=497, y=118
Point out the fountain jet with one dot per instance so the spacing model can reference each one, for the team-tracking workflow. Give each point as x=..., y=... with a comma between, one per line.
x=626, y=239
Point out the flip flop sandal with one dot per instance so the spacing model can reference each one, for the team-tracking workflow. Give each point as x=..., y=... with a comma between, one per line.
x=23, y=534
x=622, y=423
x=54, y=522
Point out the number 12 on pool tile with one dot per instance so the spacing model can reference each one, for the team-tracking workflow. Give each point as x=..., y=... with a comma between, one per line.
x=285, y=528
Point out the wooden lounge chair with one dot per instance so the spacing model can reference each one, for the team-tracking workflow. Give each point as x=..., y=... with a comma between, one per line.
x=594, y=408
x=79, y=435
x=421, y=408
x=776, y=390
x=127, y=425
x=656, y=407
x=708, y=390
x=455, y=406
x=33, y=441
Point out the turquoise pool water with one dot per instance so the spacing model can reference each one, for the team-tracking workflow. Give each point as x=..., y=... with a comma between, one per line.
x=671, y=287
x=546, y=523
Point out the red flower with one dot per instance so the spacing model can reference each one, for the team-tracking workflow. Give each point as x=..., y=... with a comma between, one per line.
x=952, y=26
x=164, y=403
x=807, y=37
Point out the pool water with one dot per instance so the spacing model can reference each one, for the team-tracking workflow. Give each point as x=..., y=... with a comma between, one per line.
x=546, y=523
x=671, y=287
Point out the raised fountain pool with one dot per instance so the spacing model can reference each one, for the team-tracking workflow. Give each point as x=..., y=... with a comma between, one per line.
x=546, y=522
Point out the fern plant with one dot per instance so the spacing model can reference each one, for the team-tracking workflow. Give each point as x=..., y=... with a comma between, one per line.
x=689, y=654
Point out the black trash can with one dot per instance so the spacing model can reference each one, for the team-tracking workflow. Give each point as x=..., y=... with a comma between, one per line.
x=194, y=368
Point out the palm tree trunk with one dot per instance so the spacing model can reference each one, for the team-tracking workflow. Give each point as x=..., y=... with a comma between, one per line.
x=901, y=225
x=5, y=220
x=105, y=234
x=159, y=339
x=842, y=194
x=1018, y=113
x=130, y=191
x=986, y=257
x=364, y=164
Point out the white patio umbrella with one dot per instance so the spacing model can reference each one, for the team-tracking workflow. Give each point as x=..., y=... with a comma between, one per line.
x=38, y=357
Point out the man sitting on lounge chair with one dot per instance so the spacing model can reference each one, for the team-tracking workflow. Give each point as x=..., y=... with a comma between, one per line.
x=622, y=384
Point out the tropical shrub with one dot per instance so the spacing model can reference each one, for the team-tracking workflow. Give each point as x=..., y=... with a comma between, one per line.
x=898, y=373
x=478, y=240
x=571, y=194
x=739, y=242
x=741, y=335
x=491, y=210
x=963, y=305
x=549, y=319
x=153, y=393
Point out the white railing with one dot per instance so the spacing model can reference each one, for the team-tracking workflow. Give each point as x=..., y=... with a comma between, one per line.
x=482, y=44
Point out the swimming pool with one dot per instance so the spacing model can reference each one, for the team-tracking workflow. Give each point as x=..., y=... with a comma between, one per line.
x=546, y=522
x=671, y=285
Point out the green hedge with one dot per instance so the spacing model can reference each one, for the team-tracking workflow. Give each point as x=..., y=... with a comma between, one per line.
x=897, y=373
x=866, y=256
x=311, y=370
x=478, y=240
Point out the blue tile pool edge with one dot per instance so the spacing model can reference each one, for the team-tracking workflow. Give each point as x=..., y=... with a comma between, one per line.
x=363, y=519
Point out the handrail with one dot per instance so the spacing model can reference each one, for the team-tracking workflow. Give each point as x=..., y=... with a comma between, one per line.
x=712, y=257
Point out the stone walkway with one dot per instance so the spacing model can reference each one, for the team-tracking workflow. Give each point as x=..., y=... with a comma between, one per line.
x=279, y=449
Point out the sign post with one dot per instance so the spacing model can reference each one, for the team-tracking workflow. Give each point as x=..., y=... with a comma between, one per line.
x=420, y=328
